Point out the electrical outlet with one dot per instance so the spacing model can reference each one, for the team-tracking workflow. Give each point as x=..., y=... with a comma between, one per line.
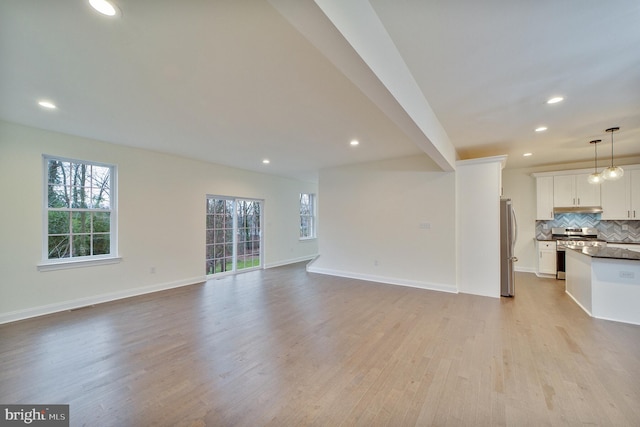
x=152, y=270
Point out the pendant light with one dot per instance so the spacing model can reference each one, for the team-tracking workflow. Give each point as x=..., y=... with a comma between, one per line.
x=595, y=177
x=612, y=173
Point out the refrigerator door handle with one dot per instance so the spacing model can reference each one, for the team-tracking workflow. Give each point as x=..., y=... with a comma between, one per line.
x=515, y=227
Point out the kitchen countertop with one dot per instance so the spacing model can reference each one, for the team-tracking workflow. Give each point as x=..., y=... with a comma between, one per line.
x=607, y=252
x=609, y=242
x=623, y=243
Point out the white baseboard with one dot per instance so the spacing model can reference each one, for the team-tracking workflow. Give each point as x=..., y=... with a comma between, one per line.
x=525, y=269
x=42, y=310
x=383, y=279
x=545, y=276
x=290, y=261
x=577, y=302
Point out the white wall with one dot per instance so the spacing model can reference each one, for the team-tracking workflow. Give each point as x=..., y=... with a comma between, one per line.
x=373, y=220
x=478, y=225
x=161, y=215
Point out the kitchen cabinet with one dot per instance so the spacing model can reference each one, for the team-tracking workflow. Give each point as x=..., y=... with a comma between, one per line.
x=546, y=257
x=575, y=191
x=621, y=199
x=544, y=198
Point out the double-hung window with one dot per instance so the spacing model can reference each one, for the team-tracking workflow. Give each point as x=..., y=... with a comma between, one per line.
x=307, y=216
x=79, y=214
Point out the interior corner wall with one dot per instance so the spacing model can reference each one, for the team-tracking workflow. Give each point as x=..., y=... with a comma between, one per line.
x=391, y=221
x=478, y=185
x=161, y=221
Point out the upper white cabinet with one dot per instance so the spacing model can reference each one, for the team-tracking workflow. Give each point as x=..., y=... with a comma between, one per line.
x=634, y=212
x=575, y=190
x=621, y=199
x=544, y=197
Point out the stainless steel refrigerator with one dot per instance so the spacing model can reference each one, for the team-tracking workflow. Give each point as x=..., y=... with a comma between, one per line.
x=508, y=237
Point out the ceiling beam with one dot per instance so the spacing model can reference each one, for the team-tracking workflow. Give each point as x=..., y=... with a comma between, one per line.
x=339, y=29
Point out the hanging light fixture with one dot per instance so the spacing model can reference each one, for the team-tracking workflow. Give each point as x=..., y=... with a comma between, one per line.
x=612, y=173
x=595, y=177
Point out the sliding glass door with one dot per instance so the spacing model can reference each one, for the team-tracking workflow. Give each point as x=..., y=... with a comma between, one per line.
x=234, y=238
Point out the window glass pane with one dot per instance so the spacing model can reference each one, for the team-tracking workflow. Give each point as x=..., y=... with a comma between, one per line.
x=58, y=222
x=81, y=222
x=80, y=197
x=81, y=245
x=101, y=222
x=218, y=251
x=58, y=172
x=100, y=176
x=210, y=267
x=58, y=247
x=58, y=196
x=210, y=252
x=101, y=244
x=100, y=198
x=80, y=175
x=304, y=226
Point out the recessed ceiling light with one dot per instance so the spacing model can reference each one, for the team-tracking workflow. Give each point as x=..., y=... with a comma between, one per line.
x=555, y=100
x=527, y=154
x=103, y=6
x=47, y=104
x=266, y=161
x=354, y=142
x=541, y=129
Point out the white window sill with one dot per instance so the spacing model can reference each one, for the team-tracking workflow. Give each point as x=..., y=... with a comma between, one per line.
x=305, y=239
x=66, y=264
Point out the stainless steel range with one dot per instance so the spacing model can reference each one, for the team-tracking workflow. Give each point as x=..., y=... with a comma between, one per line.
x=572, y=237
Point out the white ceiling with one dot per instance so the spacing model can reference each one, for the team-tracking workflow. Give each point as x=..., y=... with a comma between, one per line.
x=233, y=82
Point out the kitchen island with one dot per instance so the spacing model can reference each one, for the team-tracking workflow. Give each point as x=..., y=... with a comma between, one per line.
x=605, y=282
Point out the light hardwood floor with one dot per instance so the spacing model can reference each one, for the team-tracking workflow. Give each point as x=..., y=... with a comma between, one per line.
x=283, y=347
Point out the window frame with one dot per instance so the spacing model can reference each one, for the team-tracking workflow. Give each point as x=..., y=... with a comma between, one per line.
x=312, y=216
x=47, y=263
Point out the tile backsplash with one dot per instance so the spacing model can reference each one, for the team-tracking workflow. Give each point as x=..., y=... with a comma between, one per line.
x=611, y=231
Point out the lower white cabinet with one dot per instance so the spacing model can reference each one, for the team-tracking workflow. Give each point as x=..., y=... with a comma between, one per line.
x=546, y=257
